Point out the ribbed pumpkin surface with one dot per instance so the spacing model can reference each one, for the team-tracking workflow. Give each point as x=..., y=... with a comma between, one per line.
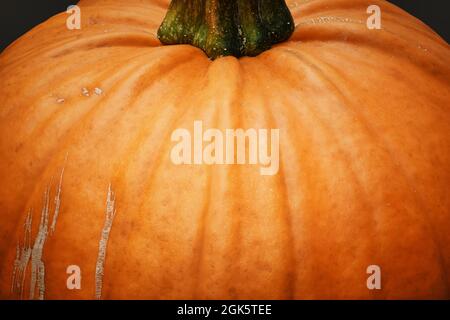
x=364, y=174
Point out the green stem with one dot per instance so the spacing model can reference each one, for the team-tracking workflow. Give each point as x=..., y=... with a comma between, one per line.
x=227, y=27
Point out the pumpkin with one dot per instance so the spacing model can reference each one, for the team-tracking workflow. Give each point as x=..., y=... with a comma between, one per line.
x=86, y=118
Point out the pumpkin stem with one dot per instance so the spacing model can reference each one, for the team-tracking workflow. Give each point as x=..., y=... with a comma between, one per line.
x=227, y=27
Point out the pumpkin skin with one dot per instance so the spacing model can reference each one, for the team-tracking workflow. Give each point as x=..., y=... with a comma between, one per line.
x=364, y=157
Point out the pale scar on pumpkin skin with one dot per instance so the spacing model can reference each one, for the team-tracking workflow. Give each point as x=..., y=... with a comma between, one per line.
x=329, y=19
x=23, y=255
x=99, y=268
x=34, y=252
x=37, y=264
x=97, y=91
x=84, y=92
x=58, y=198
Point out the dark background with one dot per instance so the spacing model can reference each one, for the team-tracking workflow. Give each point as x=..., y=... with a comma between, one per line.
x=19, y=16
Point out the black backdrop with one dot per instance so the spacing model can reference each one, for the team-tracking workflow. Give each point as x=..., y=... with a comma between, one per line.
x=19, y=16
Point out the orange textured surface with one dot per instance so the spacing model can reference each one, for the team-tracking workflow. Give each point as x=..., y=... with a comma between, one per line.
x=364, y=177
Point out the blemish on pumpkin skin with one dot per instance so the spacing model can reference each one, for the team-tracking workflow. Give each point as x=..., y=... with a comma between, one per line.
x=98, y=91
x=37, y=265
x=58, y=198
x=34, y=252
x=23, y=255
x=99, y=268
x=85, y=92
x=329, y=19
x=422, y=48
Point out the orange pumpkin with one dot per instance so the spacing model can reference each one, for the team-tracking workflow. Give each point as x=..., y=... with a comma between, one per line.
x=86, y=118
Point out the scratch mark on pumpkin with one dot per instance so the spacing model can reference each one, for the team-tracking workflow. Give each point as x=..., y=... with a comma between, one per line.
x=28, y=252
x=23, y=255
x=37, y=265
x=99, y=268
x=58, y=197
